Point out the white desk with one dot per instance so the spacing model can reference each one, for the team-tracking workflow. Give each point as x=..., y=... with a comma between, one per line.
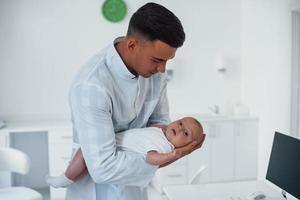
x=220, y=191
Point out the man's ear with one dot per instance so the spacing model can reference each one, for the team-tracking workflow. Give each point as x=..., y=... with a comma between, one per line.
x=132, y=44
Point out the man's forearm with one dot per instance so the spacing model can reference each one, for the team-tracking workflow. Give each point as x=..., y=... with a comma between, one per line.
x=155, y=158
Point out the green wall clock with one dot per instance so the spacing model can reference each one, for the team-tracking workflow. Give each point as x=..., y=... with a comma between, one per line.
x=114, y=10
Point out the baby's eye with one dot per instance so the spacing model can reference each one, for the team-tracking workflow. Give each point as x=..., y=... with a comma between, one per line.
x=186, y=133
x=180, y=123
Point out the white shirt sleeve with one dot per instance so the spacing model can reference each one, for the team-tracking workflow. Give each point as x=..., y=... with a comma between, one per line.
x=91, y=109
x=160, y=114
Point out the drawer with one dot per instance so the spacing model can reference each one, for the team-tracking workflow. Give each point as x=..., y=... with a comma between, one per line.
x=60, y=136
x=172, y=175
x=181, y=161
x=57, y=193
x=59, y=156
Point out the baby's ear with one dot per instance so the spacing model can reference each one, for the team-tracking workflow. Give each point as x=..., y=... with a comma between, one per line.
x=202, y=137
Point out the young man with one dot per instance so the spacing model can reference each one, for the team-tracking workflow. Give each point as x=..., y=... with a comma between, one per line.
x=124, y=87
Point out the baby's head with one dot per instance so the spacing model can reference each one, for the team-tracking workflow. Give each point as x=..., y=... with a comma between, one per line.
x=183, y=131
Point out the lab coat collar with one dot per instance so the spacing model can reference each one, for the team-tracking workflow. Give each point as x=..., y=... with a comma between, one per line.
x=116, y=63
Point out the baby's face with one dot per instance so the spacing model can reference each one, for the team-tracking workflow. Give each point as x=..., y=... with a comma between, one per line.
x=183, y=131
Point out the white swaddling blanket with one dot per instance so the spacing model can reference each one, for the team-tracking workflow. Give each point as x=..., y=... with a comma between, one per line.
x=142, y=140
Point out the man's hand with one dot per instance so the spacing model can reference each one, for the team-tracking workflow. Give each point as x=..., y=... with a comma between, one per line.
x=185, y=150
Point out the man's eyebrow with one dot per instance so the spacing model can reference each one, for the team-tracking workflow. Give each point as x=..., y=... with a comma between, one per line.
x=159, y=59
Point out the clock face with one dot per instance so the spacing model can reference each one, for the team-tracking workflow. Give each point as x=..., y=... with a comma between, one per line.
x=114, y=10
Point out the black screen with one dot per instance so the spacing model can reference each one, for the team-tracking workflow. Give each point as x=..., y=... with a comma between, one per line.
x=284, y=165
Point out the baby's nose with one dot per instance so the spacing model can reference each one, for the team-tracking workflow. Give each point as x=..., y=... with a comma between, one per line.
x=181, y=130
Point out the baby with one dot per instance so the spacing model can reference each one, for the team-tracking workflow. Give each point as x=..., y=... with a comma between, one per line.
x=156, y=144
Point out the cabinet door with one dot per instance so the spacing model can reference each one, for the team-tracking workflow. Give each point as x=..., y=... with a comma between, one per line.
x=59, y=158
x=246, y=149
x=60, y=149
x=202, y=157
x=60, y=135
x=5, y=177
x=172, y=174
x=222, y=151
x=4, y=140
x=60, y=152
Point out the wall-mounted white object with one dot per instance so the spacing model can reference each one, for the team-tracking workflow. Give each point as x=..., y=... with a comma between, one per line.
x=215, y=109
x=220, y=64
x=240, y=109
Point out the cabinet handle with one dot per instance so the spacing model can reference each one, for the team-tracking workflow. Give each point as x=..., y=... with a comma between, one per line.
x=175, y=175
x=66, y=158
x=238, y=129
x=66, y=137
x=6, y=141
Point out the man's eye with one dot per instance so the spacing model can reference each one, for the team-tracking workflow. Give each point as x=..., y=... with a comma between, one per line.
x=156, y=61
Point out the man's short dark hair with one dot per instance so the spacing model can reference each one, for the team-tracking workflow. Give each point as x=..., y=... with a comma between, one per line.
x=155, y=22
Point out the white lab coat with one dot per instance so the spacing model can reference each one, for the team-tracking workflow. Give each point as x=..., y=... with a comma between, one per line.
x=106, y=98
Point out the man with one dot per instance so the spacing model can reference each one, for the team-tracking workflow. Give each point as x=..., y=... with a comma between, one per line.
x=124, y=87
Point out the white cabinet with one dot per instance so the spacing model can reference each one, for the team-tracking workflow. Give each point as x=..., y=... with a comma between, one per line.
x=60, y=151
x=246, y=149
x=217, y=153
x=229, y=153
x=171, y=174
x=49, y=144
x=4, y=140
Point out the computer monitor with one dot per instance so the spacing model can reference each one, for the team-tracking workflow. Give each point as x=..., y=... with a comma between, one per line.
x=284, y=164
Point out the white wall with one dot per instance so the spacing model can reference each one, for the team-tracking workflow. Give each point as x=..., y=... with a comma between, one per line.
x=295, y=5
x=43, y=44
x=266, y=71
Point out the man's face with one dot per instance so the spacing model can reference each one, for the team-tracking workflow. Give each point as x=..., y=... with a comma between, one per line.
x=151, y=57
x=183, y=131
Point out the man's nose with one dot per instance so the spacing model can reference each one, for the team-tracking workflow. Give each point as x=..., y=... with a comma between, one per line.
x=161, y=68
